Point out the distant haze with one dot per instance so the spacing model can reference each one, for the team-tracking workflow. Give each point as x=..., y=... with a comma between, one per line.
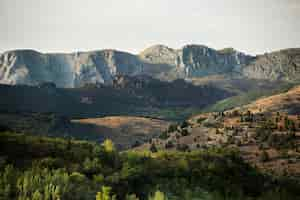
x=252, y=26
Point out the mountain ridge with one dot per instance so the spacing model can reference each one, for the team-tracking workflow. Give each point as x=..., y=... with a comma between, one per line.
x=28, y=66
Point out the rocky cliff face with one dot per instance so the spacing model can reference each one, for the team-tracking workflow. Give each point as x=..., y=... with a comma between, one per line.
x=196, y=60
x=66, y=70
x=281, y=65
x=202, y=61
x=77, y=69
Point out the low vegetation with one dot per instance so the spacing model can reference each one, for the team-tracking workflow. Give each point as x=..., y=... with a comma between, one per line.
x=41, y=168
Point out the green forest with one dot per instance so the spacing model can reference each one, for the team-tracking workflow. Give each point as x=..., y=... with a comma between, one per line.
x=43, y=168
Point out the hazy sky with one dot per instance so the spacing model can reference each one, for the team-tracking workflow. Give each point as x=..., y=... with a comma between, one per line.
x=253, y=26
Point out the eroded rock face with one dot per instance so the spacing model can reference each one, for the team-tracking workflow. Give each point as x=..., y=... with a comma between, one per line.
x=77, y=69
x=281, y=65
x=202, y=61
x=160, y=54
x=31, y=67
x=66, y=70
x=196, y=60
x=103, y=66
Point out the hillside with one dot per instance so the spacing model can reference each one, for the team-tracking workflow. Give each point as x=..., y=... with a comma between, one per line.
x=255, y=90
x=266, y=132
x=34, y=167
x=287, y=102
x=125, y=132
x=84, y=113
x=141, y=96
x=79, y=112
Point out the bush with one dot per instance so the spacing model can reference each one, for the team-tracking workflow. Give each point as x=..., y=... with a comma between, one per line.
x=264, y=156
x=164, y=135
x=185, y=132
x=182, y=147
x=135, y=144
x=200, y=120
x=172, y=128
x=282, y=141
x=169, y=145
x=184, y=124
x=153, y=148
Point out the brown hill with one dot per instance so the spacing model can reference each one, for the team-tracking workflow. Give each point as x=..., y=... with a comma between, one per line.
x=288, y=101
x=266, y=132
x=125, y=131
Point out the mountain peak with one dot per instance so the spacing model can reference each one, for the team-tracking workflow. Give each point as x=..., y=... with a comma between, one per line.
x=196, y=46
x=159, y=54
x=156, y=48
x=228, y=50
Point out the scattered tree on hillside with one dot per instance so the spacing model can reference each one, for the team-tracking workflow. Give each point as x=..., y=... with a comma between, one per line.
x=37, y=195
x=108, y=146
x=131, y=197
x=264, y=156
x=182, y=147
x=164, y=135
x=158, y=195
x=153, y=148
x=172, y=128
x=169, y=145
x=105, y=194
x=184, y=124
x=185, y=132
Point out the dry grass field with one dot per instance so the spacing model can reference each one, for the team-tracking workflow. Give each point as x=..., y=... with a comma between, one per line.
x=288, y=101
x=125, y=131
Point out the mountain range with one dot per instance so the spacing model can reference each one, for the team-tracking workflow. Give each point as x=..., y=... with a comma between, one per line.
x=191, y=61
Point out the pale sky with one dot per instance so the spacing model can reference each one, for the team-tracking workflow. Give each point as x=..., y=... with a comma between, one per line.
x=252, y=26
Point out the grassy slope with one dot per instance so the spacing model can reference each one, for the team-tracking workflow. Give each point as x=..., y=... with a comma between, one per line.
x=246, y=98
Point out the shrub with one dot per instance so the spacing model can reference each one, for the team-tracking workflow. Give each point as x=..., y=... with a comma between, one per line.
x=136, y=144
x=182, y=147
x=105, y=194
x=200, y=120
x=169, y=145
x=172, y=128
x=264, y=156
x=153, y=148
x=185, y=132
x=164, y=135
x=184, y=124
